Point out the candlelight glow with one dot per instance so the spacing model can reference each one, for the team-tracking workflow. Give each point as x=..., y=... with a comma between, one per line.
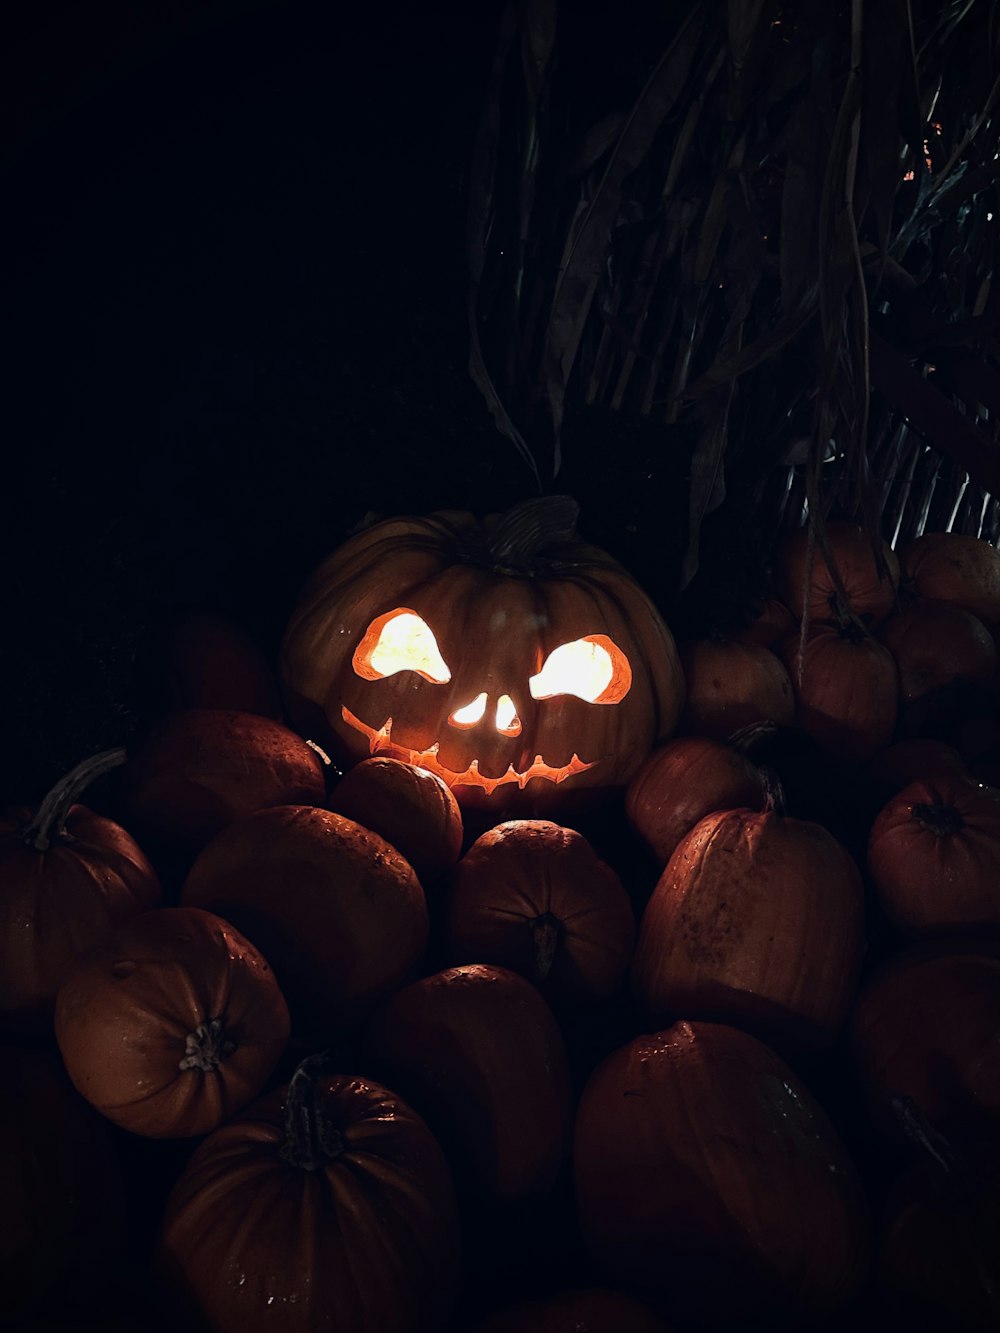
x=471, y=713
x=400, y=641
x=592, y=669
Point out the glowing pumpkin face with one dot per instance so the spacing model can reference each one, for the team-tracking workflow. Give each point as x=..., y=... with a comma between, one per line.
x=524, y=683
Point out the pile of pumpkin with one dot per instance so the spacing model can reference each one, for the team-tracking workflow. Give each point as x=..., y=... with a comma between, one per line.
x=294, y=1048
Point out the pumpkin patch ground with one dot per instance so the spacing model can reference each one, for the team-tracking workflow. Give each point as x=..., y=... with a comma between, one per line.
x=502, y=754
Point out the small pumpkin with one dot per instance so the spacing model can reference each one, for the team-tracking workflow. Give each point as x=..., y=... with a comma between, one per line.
x=338, y=912
x=68, y=878
x=757, y=920
x=707, y=1175
x=846, y=689
x=478, y=1052
x=869, y=578
x=199, y=769
x=769, y=626
x=524, y=667
x=682, y=782
x=953, y=567
x=935, y=644
x=731, y=685
x=934, y=857
x=535, y=897
x=326, y=1206
x=172, y=1027
x=412, y=808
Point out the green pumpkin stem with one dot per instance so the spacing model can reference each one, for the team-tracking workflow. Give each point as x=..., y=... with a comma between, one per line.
x=546, y=932
x=49, y=821
x=206, y=1047
x=310, y=1138
x=528, y=528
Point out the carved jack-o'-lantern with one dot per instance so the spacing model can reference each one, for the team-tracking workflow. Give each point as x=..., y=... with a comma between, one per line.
x=524, y=667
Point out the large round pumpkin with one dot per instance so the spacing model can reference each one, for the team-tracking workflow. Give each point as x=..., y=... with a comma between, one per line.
x=869, y=581
x=953, y=567
x=326, y=1206
x=935, y=644
x=707, y=1173
x=524, y=667
x=172, y=1027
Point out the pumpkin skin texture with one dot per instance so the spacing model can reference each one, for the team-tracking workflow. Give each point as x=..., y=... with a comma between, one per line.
x=498, y=597
x=68, y=878
x=708, y=1176
x=199, y=769
x=935, y=644
x=934, y=857
x=925, y=1027
x=846, y=690
x=757, y=920
x=476, y=1050
x=869, y=597
x=62, y=1226
x=338, y=912
x=950, y=567
x=682, y=782
x=535, y=897
x=355, y=1233
x=411, y=808
x=587, y=1310
x=732, y=685
x=173, y=1027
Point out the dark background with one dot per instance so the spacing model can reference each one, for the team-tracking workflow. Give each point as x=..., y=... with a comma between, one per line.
x=234, y=325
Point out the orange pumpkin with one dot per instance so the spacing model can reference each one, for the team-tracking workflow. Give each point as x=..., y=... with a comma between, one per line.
x=339, y=913
x=934, y=857
x=682, y=782
x=707, y=1174
x=935, y=644
x=757, y=920
x=869, y=583
x=327, y=1205
x=951, y=567
x=525, y=668
x=731, y=685
x=172, y=1027
x=476, y=1050
x=68, y=877
x=769, y=626
x=536, y=898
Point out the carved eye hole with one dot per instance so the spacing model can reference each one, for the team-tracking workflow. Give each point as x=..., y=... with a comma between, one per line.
x=400, y=641
x=593, y=669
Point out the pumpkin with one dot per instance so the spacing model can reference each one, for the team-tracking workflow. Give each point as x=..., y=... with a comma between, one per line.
x=769, y=626
x=338, y=912
x=62, y=1225
x=951, y=567
x=731, y=685
x=68, y=877
x=326, y=1206
x=934, y=857
x=411, y=808
x=682, y=782
x=535, y=897
x=869, y=580
x=476, y=1050
x=524, y=667
x=757, y=920
x=174, y=1026
x=935, y=644
x=198, y=769
x=846, y=689
x=707, y=1175
x=925, y=1027
x=581, y=1310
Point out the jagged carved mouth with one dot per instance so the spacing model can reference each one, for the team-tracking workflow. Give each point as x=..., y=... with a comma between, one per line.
x=380, y=742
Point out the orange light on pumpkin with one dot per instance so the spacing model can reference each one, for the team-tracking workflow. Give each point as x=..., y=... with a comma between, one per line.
x=592, y=669
x=400, y=641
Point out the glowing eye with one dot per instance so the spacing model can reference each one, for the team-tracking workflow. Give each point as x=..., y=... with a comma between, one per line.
x=508, y=722
x=400, y=641
x=470, y=714
x=593, y=669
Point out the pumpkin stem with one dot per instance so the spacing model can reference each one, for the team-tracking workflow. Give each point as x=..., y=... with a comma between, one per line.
x=48, y=823
x=526, y=529
x=546, y=932
x=775, y=802
x=310, y=1137
x=944, y=820
x=206, y=1047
